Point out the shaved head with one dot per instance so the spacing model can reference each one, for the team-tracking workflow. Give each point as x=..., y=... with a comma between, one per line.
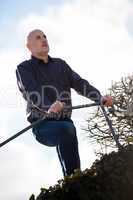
x=37, y=43
x=32, y=33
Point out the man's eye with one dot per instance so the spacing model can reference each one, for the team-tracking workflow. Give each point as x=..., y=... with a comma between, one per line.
x=44, y=36
x=38, y=37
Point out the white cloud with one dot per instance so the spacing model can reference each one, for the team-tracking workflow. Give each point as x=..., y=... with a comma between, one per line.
x=92, y=37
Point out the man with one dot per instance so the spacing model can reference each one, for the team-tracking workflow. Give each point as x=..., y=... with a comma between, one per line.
x=45, y=83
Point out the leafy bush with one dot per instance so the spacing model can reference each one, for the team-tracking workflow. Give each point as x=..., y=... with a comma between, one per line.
x=110, y=178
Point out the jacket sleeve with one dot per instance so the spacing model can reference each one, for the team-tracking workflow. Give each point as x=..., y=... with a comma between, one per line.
x=82, y=86
x=28, y=85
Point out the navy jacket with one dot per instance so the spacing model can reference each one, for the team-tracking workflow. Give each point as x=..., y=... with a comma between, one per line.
x=43, y=83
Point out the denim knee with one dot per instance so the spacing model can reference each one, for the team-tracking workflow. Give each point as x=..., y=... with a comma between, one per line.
x=45, y=139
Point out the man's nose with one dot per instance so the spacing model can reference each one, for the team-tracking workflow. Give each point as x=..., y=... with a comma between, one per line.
x=44, y=39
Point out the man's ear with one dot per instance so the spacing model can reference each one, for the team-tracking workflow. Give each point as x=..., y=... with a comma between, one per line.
x=27, y=45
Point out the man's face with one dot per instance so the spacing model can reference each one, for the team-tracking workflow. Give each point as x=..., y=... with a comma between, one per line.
x=37, y=43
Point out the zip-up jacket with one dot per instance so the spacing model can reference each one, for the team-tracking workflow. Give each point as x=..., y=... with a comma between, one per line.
x=43, y=83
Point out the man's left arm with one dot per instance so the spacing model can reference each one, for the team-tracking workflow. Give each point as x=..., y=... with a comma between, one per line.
x=84, y=88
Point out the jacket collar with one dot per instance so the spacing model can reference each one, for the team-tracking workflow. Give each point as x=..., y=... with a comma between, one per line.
x=37, y=60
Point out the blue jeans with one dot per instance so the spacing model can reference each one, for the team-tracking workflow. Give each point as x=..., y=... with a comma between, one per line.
x=62, y=134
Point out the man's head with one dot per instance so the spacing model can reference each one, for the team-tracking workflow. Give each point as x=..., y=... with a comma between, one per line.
x=37, y=43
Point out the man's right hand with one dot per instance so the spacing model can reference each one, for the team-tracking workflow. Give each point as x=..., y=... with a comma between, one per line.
x=56, y=107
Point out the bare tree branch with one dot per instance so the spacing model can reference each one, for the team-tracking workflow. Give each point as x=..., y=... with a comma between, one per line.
x=121, y=115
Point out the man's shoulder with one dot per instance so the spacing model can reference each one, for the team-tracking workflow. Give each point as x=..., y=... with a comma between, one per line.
x=24, y=64
x=60, y=62
x=56, y=59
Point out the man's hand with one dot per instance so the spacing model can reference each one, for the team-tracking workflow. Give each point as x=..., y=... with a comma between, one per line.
x=107, y=101
x=56, y=107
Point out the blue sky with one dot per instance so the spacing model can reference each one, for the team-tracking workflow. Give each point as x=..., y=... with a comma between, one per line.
x=12, y=10
x=96, y=40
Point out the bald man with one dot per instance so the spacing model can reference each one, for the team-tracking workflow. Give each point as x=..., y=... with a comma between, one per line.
x=46, y=83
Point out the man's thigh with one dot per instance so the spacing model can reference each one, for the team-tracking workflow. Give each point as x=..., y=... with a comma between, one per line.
x=50, y=132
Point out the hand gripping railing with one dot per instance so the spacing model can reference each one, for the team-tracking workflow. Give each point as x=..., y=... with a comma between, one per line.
x=73, y=108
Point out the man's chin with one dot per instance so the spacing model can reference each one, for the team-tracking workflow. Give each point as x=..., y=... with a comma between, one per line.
x=43, y=53
x=45, y=50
